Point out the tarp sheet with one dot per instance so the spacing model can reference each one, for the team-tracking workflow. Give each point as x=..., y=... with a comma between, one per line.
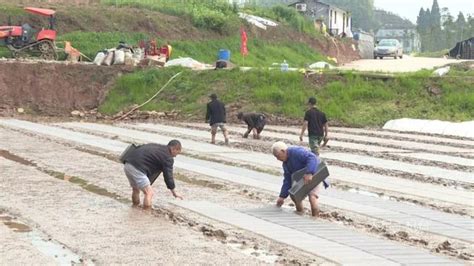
x=462, y=129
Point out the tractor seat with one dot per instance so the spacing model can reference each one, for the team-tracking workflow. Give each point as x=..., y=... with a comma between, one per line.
x=27, y=33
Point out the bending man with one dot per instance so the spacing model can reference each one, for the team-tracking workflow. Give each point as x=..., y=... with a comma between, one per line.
x=296, y=158
x=145, y=164
x=255, y=122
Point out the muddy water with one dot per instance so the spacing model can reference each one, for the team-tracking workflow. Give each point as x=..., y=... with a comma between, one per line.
x=140, y=135
x=50, y=249
x=102, y=169
x=108, y=175
x=15, y=226
x=106, y=230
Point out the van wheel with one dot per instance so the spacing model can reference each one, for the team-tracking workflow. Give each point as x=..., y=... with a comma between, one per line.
x=381, y=57
x=401, y=56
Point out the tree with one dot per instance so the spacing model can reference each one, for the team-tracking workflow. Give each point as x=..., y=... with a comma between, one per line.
x=450, y=31
x=420, y=21
x=423, y=28
x=470, y=26
x=435, y=16
x=435, y=27
x=388, y=20
x=461, y=26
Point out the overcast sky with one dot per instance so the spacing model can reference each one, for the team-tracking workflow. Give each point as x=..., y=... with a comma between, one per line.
x=410, y=8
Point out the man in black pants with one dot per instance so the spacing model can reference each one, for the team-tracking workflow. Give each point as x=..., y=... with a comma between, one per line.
x=145, y=164
x=216, y=117
x=255, y=122
x=317, y=125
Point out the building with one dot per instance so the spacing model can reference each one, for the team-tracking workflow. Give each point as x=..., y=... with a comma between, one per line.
x=409, y=38
x=338, y=21
x=239, y=2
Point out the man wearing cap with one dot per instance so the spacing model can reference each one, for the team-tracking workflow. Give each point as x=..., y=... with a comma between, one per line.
x=216, y=117
x=144, y=164
x=296, y=158
x=317, y=124
x=255, y=122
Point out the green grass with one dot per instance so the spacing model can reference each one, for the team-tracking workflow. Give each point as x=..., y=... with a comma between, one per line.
x=352, y=99
x=217, y=15
x=261, y=52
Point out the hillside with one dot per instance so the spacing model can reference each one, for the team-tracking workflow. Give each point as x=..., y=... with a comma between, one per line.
x=95, y=27
x=354, y=99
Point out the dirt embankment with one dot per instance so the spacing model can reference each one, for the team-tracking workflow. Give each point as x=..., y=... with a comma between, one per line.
x=55, y=88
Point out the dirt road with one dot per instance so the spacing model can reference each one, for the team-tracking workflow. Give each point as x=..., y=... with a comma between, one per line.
x=407, y=64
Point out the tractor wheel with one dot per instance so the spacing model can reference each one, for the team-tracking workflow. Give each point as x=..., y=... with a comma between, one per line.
x=19, y=54
x=46, y=49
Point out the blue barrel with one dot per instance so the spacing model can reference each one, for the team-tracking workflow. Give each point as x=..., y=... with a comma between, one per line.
x=224, y=54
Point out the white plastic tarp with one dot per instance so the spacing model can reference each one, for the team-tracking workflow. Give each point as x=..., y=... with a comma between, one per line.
x=461, y=129
x=258, y=21
x=321, y=64
x=187, y=62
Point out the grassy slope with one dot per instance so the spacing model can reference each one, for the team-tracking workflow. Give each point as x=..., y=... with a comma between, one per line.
x=91, y=29
x=351, y=99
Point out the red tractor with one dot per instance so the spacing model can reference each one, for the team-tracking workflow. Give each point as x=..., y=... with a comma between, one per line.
x=21, y=40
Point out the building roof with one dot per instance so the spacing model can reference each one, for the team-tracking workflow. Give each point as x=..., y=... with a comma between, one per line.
x=318, y=2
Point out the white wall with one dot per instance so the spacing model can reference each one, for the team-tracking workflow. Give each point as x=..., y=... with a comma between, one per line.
x=337, y=20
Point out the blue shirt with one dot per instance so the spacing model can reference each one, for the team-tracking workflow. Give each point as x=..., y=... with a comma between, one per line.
x=298, y=158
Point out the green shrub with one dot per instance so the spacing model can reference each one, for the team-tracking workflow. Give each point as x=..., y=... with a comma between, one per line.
x=354, y=100
x=217, y=15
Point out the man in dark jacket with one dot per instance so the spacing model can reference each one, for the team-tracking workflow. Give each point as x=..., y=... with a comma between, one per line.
x=255, y=122
x=145, y=164
x=317, y=125
x=216, y=117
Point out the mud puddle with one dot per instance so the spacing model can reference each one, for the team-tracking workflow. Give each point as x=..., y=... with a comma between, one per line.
x=199, y=182
x=183, y=219
x=399, y=174
x=347, y=186
x=392, y=196
x=254, y=251
x=73, y=179
x=13, y=157
x=236, y=241
x=60, y=253
x=379, y=228
x=368, y=193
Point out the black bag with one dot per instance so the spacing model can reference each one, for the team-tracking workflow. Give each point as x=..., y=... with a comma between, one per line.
x=221, y=64
x=132, y=147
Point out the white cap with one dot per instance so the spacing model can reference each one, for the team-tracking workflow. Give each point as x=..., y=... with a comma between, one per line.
x=278, y=146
